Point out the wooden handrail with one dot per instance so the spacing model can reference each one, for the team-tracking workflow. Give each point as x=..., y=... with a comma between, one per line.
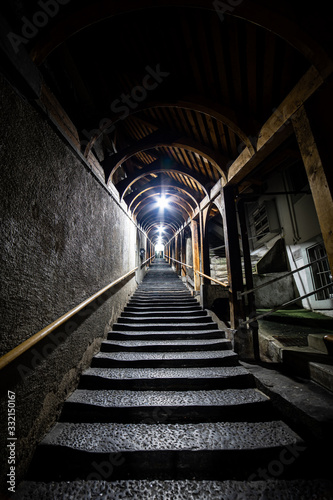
x=200, y=273
x=212, y=279
x=179, y=262
x=27, y=344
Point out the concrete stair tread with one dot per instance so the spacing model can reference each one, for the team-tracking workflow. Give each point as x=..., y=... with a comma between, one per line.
x=117, y=438
x=157, y=304
x=146, y=356
x=139, y=314
x=128, y=399
x=162, y=316
x=160, y=334
x=166, y=373
x=177, y=490
x=179, y=308
x=322, y=373
x=163, y=320
x=165, y=345
x=316, y=341
x=166, y=327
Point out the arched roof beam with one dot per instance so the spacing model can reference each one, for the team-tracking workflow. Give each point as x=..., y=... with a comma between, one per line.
x=189, y=209
x=132, y=199
x=145, y=207
x=243, y=126
x=277, y=21
x=160, y=139
x=154, y=224
x=177, y=219
x=125, y=184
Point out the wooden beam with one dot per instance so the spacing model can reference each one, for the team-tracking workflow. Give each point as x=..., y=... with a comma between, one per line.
x=278, y=20
x=319, y=184
x=277, y=128
x=205, y=261
x=157, y=168
x=233, y=256
x=195, y=254
x=158, y=139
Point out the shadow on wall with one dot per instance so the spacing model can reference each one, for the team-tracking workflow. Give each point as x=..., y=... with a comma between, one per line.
x=221, y=308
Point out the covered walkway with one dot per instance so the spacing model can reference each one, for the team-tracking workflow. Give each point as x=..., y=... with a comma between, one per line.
x=190, y=136
x=167, y=411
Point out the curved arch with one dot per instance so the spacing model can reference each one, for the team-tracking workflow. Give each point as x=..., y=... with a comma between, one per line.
x=156, y=194
x=266, y=17
x=177, y=219
x=129, y=181
x=145, y=206
x=135, y=197
x=239, y=123
x=154, y=224
x=160, y=139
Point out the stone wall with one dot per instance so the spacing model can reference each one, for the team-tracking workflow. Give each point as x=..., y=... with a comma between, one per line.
x=63, y=237
x=277, y=293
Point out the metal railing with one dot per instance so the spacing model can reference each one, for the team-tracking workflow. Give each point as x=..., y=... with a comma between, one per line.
x=37, y=337
x=252, y=290
x=283, y=306
x=284, y=276
x=199, y=272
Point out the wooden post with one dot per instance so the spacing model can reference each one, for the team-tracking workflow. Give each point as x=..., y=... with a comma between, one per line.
x=183, y=253
x=318, y=181
x=176, y=253
x=196, y=255
x=251, y=305
x=233, y=255
x=205, y=261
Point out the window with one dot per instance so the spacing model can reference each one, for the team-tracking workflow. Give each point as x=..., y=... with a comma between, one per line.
x=320, y=271
x=264, y=220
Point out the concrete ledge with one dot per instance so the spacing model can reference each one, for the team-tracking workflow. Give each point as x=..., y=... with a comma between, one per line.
x=302, y=403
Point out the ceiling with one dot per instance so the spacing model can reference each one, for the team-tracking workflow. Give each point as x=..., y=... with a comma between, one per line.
x=167, y=97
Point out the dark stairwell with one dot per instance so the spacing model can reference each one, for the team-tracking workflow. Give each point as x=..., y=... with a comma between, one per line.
x=167, y=411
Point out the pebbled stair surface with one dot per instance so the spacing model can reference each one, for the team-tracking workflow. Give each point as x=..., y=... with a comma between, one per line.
x=167, y=412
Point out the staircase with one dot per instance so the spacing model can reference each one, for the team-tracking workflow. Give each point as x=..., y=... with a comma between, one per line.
x=166, y=411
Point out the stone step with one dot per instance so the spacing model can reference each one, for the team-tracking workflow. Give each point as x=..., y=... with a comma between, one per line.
x=162, y=296
x=164, y=360
x=169, y=334
x=235, y=405
x=159, y=327
x=167, y=378
x=272, y=489
x=165, y=308
x=166, y=302
x=165, y=345
x=322, y=373
x=219, y=450
x=163, y=319
x=156, y=313
x=316, y=341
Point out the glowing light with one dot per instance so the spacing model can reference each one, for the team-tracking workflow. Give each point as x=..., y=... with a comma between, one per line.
x=159, y=247
x=162, y=202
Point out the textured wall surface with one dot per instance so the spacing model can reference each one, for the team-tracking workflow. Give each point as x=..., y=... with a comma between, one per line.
x=63, y=237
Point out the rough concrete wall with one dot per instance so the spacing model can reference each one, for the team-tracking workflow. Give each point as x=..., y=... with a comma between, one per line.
x=277, y=293
x=63, y=237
